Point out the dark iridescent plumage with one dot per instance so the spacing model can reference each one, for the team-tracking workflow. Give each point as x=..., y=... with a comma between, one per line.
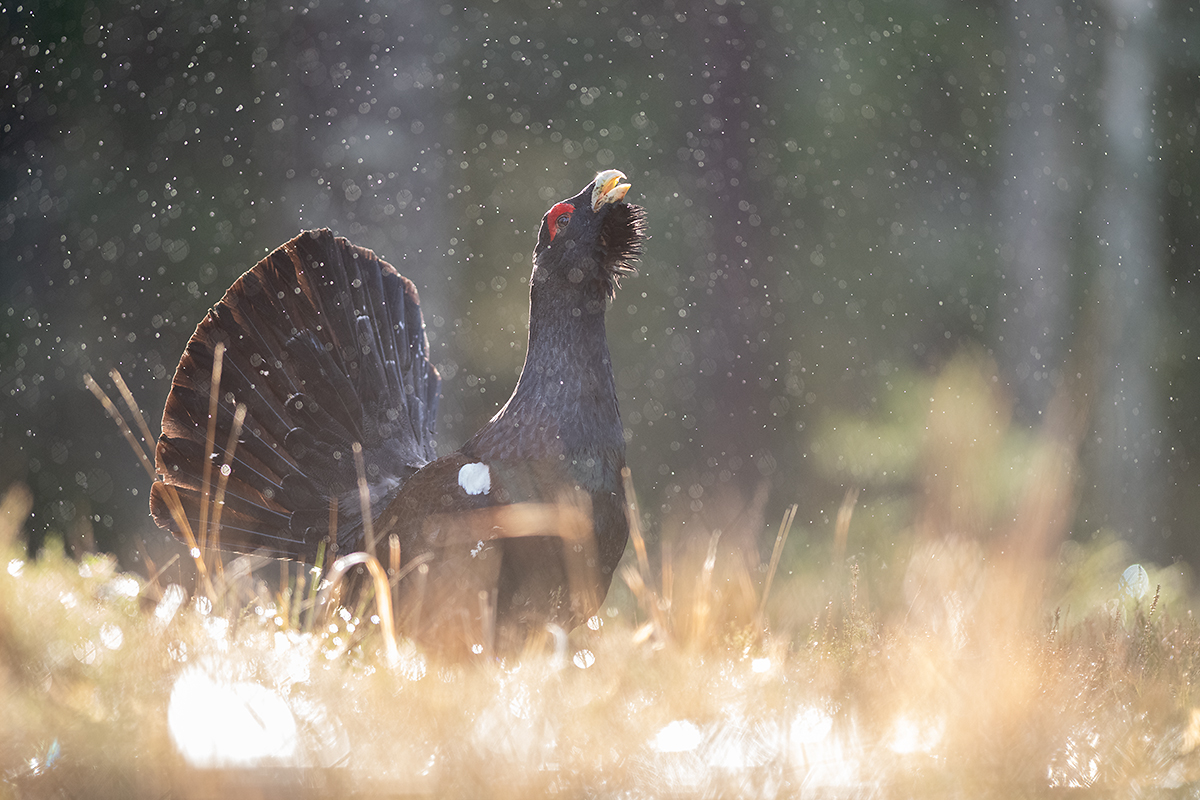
x=522, y=527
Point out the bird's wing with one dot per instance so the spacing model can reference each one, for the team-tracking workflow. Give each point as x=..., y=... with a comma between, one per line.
x=326, y=347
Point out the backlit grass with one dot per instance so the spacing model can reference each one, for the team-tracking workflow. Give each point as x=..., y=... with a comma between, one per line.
x=112, y=687
x=938, y=636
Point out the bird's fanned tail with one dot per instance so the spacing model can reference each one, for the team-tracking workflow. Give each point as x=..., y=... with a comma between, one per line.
x=325, y=346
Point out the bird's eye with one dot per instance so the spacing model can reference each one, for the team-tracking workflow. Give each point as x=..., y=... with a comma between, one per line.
x=558, y=217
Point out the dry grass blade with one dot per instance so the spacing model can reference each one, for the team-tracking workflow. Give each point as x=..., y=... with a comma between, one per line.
x=702, y=607
x=633, y=579
x=414, y=616
x=333, y=523
x=393, y=555
x=235, y=431
x=214, y=397
x=668, y=576
x=189, y=538
x=316, y=570
x=134, y=409
x=644, y=596
x=364, y=498
x=383, y=597
x=635, y=527
x=117, y=417
x=643, y=590
x=393, y=561
x=841, y=530
x=155, y=572
x=572, y=516
x=416, y=564
x=785, y=528
x=297, y=597
x=397, y=573
x=487, y=617
x=14, y=510
x=286, y=595
x=172, y=497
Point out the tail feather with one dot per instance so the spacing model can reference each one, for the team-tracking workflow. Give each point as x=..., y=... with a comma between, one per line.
x=237, y=528
x=324, y=401
x=251, y=494
x=326, y=347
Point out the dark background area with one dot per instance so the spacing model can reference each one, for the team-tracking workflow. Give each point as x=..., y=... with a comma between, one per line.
x=841, y=197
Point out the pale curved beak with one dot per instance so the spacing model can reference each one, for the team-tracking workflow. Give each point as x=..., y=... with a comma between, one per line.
x=607, y=188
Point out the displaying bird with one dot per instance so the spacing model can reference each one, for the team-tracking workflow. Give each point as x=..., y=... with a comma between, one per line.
x=325, y=346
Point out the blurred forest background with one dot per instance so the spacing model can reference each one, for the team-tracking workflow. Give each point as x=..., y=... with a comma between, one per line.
x=901, y=246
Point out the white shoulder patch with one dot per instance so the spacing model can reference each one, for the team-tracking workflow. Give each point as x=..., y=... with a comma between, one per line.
x=475, y=478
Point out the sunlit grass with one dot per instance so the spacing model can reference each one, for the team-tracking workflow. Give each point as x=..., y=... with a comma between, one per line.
x=115, y=687
x=967, y=650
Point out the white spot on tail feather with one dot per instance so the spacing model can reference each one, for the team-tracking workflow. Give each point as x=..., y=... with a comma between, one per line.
x=475, y=478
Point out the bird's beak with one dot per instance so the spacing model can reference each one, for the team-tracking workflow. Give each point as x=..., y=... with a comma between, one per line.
x=607, y=188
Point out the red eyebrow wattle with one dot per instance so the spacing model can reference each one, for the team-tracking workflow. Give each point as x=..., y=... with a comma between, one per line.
x=556, y=212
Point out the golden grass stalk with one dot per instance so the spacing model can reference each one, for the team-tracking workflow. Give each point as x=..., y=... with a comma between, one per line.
x=172, y=496
x=383, y=597
x=841, y=530
x=214, y=398
x=316, y=570
x=189, y=538
x=639, y=580
x=134, y=409
x=364, y=498
x=702, y=604
x=785, y=528
x=155, y=572
x=239, y=418
x=393, y=554
x=14, y=509
x=115, y=414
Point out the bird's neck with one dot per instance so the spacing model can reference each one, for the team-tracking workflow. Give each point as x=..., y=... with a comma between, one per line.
x=565, y=345
x=565, y=401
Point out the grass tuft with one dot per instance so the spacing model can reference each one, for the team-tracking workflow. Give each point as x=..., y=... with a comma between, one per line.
x=960, y=646
x=112, y=687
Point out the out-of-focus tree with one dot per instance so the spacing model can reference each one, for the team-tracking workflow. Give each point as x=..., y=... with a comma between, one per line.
x=1039, y=195
x=1128, y=449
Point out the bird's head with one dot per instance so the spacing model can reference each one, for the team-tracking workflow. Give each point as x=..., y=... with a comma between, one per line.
x=591, y=240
